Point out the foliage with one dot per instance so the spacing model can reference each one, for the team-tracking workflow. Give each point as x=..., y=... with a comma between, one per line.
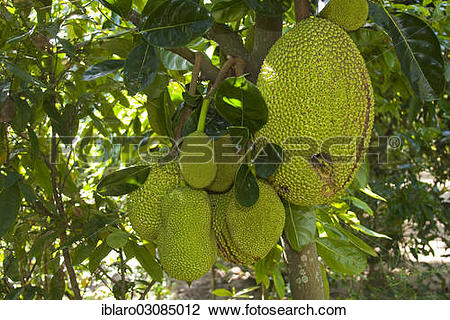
x=78, y=81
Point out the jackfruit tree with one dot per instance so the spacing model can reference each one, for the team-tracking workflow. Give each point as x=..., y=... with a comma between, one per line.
x=199, y=136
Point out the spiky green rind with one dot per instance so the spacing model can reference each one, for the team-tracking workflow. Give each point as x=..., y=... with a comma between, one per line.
x=198, y=172
x=348, y=14
x=226, y=248
x=144, y=204
x=317, y=87
x=225, y=171
x=187, y=246
x=255, y=230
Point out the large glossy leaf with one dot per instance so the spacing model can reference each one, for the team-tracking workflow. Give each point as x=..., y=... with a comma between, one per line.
x=268, y=160
x=175, y=23
x=21, y=74
x=173, y=61
x=417, y=48
x=228, y=10
x=240, y=102
x=246, y=187
x=123, y=181
x=102, y=69
x=9, y=207
x=300, y=227
x=341, y=256
x=269, y=7
x=148, y=262
x=358, y=242
x=121, y=7
x=141, y=67
x=98, y=255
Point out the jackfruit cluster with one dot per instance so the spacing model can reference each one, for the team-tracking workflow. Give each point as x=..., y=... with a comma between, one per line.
x=144, y=204
x=187, y=247
x=245, y=235
x=320, y=100
x=348, y=14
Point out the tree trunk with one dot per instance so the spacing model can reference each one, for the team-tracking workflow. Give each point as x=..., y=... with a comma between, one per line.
x=305, y=276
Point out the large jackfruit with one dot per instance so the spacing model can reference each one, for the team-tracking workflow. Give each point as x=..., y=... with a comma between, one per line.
x=226, y=167
x=255, y=230
x=227, y=250
x=348, y=14
x=320, y=102
x=144, y=204
x=187, y=247
x=197, y=161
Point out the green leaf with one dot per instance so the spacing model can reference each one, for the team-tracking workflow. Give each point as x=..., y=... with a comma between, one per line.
x=121, y=7
x=326, y=285
x=100, y=253
x=246, y=187
x=278, y=282
x=361, y=179
x=372, y=194
x=358, y=242
x=341, y=256
x=11, y=268
x=239, y=135
x=222, y=293
x=172, y=61
x=123, y=181
x=175, y=23
x=102, y=69
x=361, y=205
x=57, y=286
x=269, y=7
x=117, y=239
x=418, y=51
x=9, y=207
x=369, y=232
x=148, y=262
x=22, y=75
x=228, y=10
x=140, y=68
x=240, y=102
x=268, y=160
x=82, y=252
x=300, y=227
x=23, y=115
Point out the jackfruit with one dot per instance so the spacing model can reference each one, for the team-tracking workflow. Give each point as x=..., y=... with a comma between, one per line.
x=348, y=14
x=197, y=161
x=144, y=204
x=226, y=171
x=227, y=250
x=255, y=230
x=320, y=100
x=187, y=247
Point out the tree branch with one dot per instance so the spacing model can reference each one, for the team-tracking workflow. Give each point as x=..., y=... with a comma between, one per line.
x=302, y=9
x=267, y=32
x=305, y=276
x=231, y=44
x=209, y=71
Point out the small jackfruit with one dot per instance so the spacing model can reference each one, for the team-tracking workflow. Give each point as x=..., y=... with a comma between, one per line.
x=348, y=14
x=197, y=161
x=227, y=250
x=320, y=101
x=255, y=230
x=226, y=171
x=187, y=247
x=144, y=204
